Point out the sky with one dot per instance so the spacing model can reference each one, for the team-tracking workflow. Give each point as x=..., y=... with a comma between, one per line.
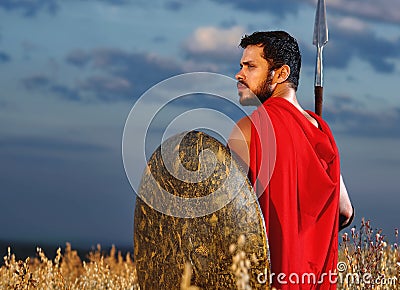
x=71, y=72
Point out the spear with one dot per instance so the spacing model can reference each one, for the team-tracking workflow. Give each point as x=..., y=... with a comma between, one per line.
x=319, y=40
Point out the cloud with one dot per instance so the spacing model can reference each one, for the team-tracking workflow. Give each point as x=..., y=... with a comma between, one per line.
x=174, y=5
x=256, y=6
x=350, y=35
x=383, y=10
x=40, y=82
x=350, y=117
x=115, y=2
x=106, y=88
x=350, y=24
x=30, y=8
x=78, y=57
x=65, y=92
x=115, y=75
x=4, y=57
x=351, y=38
x=126, y=75
x=218, y=43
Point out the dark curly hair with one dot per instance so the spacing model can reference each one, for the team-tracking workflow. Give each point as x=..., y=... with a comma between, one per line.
x=279, y=49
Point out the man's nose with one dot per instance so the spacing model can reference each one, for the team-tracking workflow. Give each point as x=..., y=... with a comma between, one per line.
x=239, y=76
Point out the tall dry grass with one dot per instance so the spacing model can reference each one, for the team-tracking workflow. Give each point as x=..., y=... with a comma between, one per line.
x=367, y=260
x=68, y=272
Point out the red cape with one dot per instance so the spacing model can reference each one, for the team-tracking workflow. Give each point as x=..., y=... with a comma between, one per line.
x=300, y=203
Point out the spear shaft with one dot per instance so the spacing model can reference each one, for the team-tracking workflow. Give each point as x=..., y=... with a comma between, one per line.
x=320, y=38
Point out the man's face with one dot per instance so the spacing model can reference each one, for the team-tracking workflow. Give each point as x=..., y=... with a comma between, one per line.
x=254, y=78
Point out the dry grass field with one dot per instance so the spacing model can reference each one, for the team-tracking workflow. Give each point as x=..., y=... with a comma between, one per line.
x=367, y=261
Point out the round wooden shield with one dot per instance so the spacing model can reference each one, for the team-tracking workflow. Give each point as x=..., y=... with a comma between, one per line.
x=194, y=202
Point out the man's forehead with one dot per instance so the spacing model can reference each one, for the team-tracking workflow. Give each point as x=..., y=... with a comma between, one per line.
x=252, y=53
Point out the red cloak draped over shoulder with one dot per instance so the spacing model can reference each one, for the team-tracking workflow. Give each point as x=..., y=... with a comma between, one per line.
x=297, y=180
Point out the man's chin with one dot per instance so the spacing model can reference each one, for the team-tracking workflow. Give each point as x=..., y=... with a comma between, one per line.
x=246, y=100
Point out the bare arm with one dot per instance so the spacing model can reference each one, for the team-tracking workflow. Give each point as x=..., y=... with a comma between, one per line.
x=346, y=210
x=239, y=141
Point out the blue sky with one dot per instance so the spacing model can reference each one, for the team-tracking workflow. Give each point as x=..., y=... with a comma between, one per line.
x=70, y=72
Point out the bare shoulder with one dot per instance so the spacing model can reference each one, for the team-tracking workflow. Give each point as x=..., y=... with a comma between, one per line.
x=242, y=130
x=239, y=139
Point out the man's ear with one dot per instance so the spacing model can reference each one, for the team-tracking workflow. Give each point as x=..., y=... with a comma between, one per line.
x=282, y=74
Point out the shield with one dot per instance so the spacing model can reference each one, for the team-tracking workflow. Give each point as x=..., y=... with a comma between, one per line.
x=213, y=205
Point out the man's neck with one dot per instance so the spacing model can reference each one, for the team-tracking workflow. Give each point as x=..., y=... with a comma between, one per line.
x=288, y=93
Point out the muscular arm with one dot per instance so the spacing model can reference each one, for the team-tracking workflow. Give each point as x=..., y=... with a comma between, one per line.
x=346, y=210
x=239, y=141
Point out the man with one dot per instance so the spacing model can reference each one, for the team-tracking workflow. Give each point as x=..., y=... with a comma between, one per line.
x=293, y=165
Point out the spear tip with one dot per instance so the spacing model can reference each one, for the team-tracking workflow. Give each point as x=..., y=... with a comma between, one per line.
x=320, y=37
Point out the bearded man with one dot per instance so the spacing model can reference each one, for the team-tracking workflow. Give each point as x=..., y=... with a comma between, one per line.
x=293, y=165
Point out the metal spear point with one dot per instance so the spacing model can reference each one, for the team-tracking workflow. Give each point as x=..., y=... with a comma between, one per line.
x=320, y=39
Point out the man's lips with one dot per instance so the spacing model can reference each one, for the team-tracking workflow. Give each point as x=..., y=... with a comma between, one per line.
x=241, y=86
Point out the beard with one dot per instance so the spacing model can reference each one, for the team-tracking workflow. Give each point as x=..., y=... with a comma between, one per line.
x=262, y=93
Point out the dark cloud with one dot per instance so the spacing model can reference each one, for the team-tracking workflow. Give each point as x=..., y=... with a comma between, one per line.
x=345, y=44
x=45, y=83
x=272, y=6
x=125, y=75
x=174, y=5
x=159, y=39
x=116, y=2
x=228, y=23
x=4, y=57
x=346, y=41
x=36, y=82
x=66, y=92
x=107, y=88
x=78, y=58
x=382, y=11
x=117, y=75
x=351, y=117
x=30, y=8
x=365, y=45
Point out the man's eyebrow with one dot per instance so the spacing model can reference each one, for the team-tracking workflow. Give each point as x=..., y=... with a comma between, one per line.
x=247, y=62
